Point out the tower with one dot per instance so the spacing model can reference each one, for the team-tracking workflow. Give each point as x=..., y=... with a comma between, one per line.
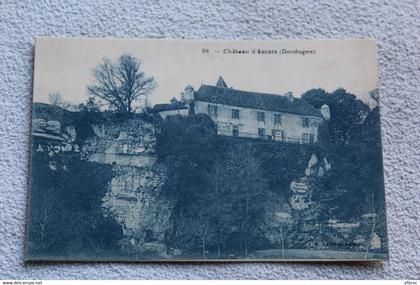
x=188, y=95
x=289, y=96
x=325, y=112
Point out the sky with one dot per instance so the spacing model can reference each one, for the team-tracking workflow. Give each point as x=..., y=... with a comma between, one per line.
x=65, y=65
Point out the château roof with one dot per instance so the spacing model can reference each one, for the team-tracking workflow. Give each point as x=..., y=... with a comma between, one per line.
x=221, y=83
x=168, y=107
x=255, y=100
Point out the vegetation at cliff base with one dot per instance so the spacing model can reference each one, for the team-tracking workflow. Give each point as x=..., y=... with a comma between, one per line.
x=66, y=219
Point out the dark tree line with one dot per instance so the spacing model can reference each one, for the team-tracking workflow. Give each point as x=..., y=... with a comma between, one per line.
x=353, y=146
x=220, y=190
x=355, y=186
x=222, y=186
x=347, y=112
x=65, y=218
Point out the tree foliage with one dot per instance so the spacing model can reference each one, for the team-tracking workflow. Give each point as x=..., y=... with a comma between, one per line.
x=222, y=185
x=219, y=187
x=65, y=216
x=347, y=112
x=90, y=106
x=354, y=149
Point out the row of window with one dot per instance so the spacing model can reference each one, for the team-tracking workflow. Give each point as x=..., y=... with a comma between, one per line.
x=279, y=135
x=308, y=138
x=275, y=135
x=212, y=111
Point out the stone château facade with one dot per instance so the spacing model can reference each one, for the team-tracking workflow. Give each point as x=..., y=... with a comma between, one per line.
x=248, y=114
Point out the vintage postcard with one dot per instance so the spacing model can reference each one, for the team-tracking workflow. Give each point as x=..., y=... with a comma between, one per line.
x=193, y=150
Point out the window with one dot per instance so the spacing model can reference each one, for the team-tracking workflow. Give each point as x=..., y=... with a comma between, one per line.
x=277, y=135
x=305, y=138
x=261, y=116
x=277, y=119
x=261, y=133
x=212, y=111
x=235, y=114
x=305, y=122
x=311, y=138
x=235, y=131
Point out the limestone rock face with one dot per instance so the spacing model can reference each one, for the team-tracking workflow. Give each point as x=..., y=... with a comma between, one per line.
x=130, y=143
x=98, y=130
x=134, y=195
x=316, y=167
x=301, y=198
x=53, y=130
x=53, y=137
x=53, y=126
x=46, y=126
x=70, y=133
x=38, y=124
x=134, y=199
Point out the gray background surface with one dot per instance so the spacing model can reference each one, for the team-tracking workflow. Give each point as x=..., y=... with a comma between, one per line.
x=394, y=24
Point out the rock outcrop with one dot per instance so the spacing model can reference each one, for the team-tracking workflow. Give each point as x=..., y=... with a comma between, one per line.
x=130, y=143
x=53, y=137
x=134, y=197
x=134, y=194
x=301, y=188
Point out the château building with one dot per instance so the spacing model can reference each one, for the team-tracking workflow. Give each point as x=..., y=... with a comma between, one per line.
x=248, y=114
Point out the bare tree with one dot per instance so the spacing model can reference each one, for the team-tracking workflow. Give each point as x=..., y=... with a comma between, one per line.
x=372, y=216
x=45, y=219
x=248, y=187
x=121, y=84
x=220, y=208
x=284, y=228
x=201, y=229
x=55, y=99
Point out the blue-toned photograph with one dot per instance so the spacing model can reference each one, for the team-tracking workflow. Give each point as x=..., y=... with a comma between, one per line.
x=188, y=150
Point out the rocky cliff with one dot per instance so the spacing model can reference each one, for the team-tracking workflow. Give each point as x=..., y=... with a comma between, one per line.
x=129, y=145
x=295, y=178
x=133, y=196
